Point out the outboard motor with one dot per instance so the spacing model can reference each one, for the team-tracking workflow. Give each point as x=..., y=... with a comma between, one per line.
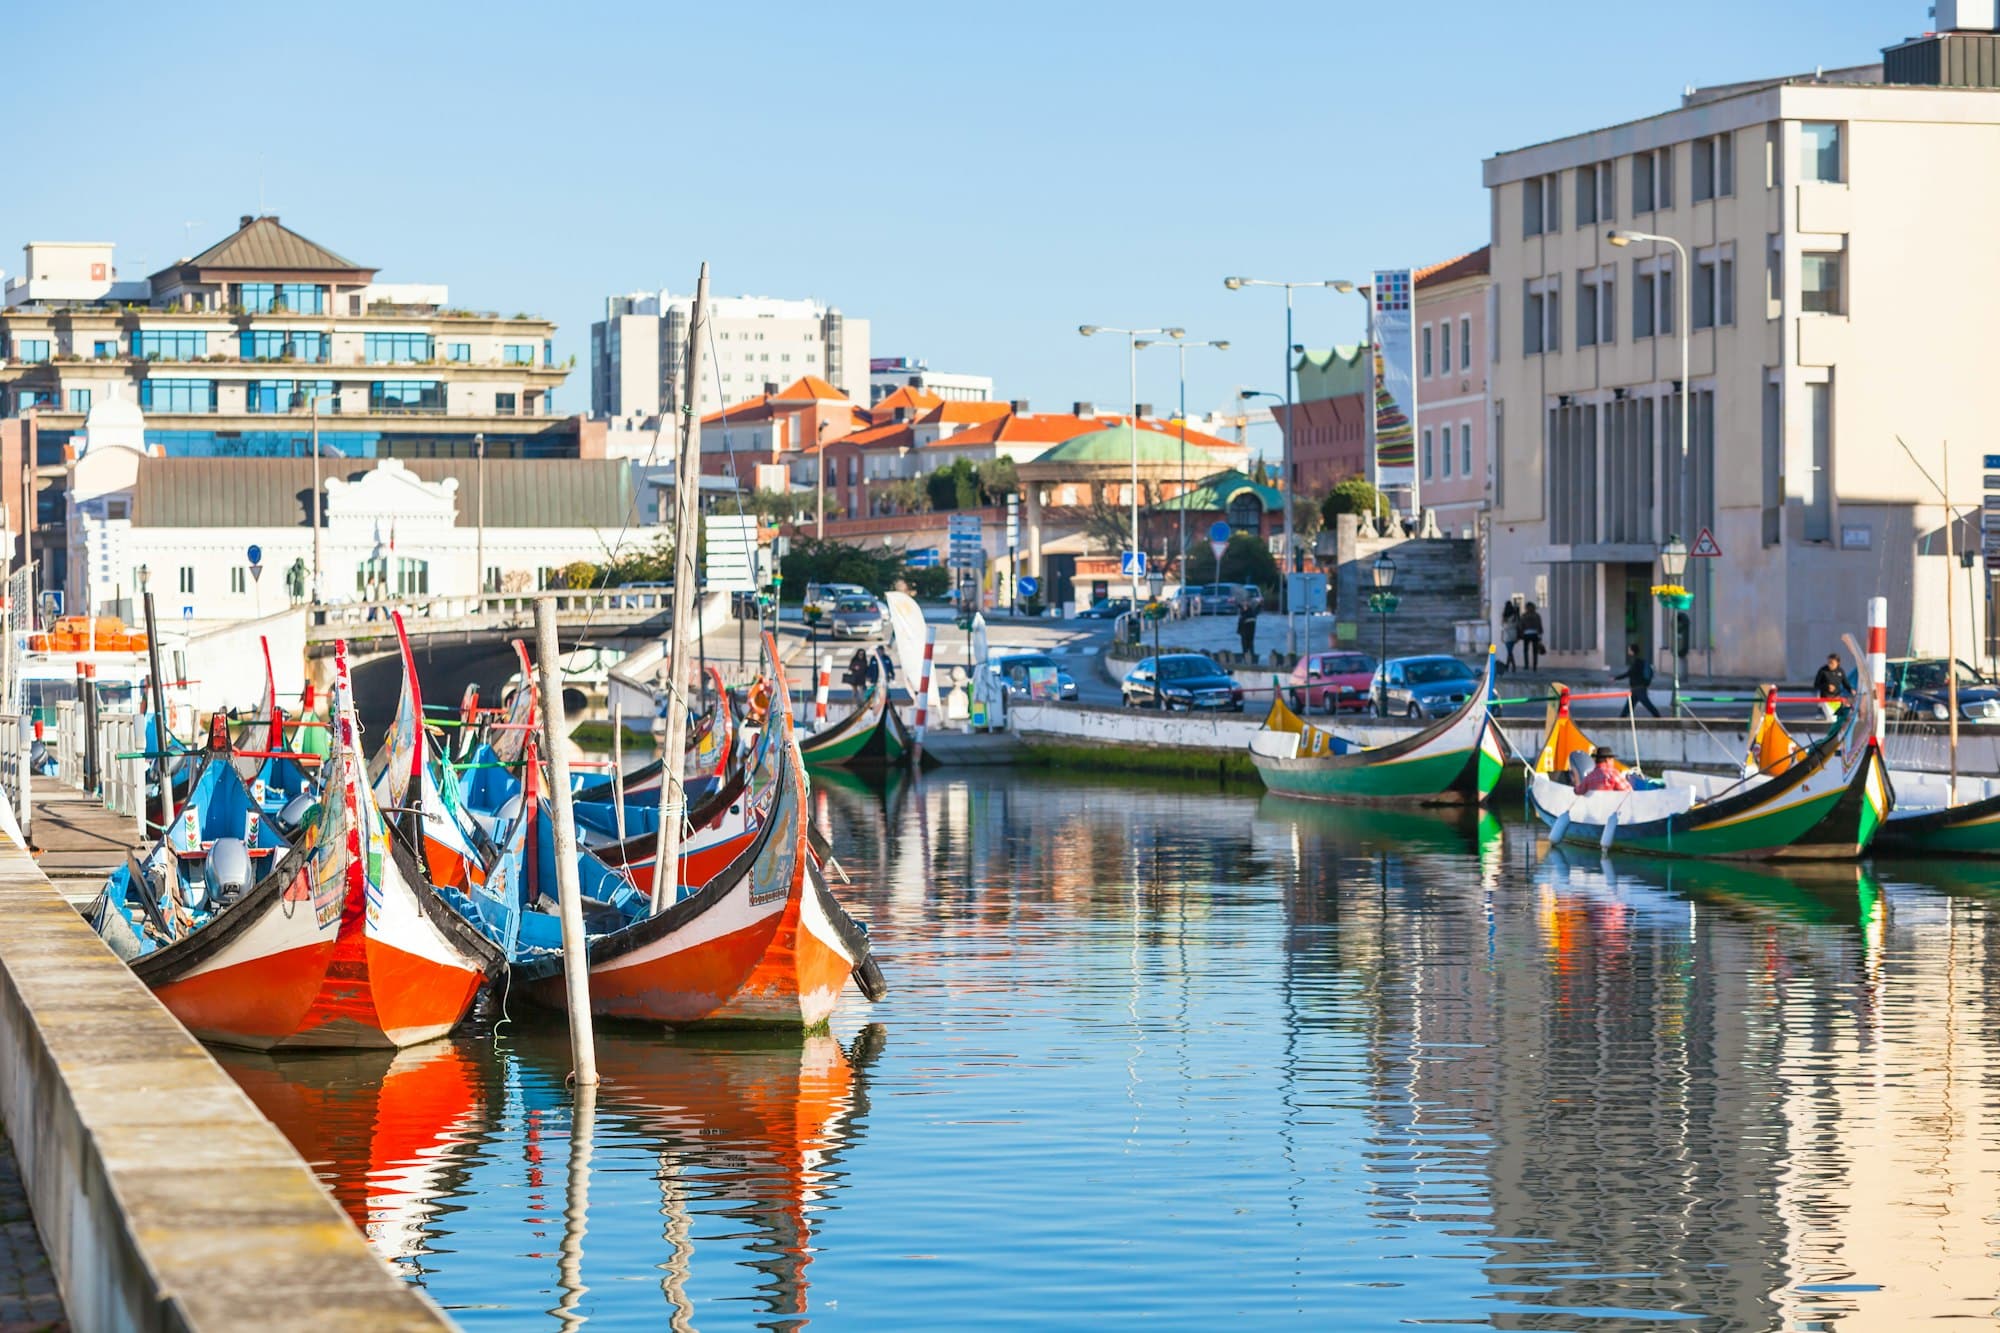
x=38, y=757
x=228, y=869
x=293, y=816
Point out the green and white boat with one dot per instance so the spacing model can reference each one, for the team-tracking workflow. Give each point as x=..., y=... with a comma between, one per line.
x=1456, y=761
x=1824, y=801
x=1932, y=818
x=871, y=737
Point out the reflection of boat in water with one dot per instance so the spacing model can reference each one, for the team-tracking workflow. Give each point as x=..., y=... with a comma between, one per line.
x=1829, y=893
x=1413, y=828
x=386, y=1131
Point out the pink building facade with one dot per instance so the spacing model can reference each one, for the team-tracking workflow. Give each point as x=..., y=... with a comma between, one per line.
x=1450, y=326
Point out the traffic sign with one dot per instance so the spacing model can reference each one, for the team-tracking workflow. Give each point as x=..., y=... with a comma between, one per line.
x=732, y=552
x=1028, y=585
x=1218, y=539
x=968, y=545
x=256, y=554
x=1132, y=564
x=1704, y=547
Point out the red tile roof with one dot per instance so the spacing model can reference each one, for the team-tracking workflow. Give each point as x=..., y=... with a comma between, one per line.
x=957, y=413
x=748, y=412
x=915, y=401
x=810, y=389
x=1474, y=264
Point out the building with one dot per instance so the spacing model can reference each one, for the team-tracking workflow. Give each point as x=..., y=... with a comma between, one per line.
x=887, y=374
x=391, y=528
x=638, y=352
x=228, y=353
x=1838, y=294
x=1329, y=422
x=1450, y=325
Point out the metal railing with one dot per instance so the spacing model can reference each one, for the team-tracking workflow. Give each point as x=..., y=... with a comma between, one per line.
x=119, y=746
x=611, y=605
x=70, y=744
x=17, y=733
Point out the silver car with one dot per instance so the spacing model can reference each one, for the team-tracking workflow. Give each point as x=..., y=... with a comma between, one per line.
x=856, y=618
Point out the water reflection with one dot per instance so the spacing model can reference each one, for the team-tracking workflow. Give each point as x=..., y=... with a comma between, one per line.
x=1179, y=1056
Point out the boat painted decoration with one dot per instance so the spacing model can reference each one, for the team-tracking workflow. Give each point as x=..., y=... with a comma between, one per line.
x=1454, y=761
x=871, y=737
x=1822, y=801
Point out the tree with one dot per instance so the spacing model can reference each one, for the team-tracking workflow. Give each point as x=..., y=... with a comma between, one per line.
x=997, y=478
x=810, y=561
x=1109, y=526
x=1354, y=495
x=955, y=487
x=905, y=495
x=1245, y=560
x=778, y=506
x=578, y=574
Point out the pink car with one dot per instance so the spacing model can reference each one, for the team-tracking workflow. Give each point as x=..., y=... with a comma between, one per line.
x=1339, y=682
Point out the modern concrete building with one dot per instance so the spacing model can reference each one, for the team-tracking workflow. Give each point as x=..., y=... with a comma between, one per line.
x=1450, y=324
x=1838, y=291
x=887, y=374
x=638, y=352
x=228, y=352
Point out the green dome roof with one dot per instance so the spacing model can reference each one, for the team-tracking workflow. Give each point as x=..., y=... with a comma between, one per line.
x=1114, y=445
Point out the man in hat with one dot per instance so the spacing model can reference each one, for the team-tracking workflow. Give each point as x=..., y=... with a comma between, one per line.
x=1607, y=776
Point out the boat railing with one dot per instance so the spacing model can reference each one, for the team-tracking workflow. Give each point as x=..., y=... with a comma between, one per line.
x=17, y=734
x=71, y=745
x=120, y=749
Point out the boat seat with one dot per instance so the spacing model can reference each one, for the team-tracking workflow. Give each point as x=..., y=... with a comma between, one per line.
x=1592, y=809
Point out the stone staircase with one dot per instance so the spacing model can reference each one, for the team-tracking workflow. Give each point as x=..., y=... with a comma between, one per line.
x=1437, y=584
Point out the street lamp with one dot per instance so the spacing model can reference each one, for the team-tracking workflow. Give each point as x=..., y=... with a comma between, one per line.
x=1383, y=601
x=819, y=467
x=1132, y=425
x=1674, y=599
x=1180, y=552
x=1156, y=583
x=1683, y=272
x=317, y=589
x=1237, y=285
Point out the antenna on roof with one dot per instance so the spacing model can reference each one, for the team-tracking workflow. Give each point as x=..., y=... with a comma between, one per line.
x=187, y=232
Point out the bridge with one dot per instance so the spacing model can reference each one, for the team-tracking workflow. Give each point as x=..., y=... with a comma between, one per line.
x=628, y=614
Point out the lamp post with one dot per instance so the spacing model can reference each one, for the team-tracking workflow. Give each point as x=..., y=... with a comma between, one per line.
x=1683, y=273
x=1674, y=599
x=479, y=547
x=1382, y=602
x=1132, y=424
x=318, y=589
x=1236, y=285
x=819, y=471
x=1180, y=552
x=1156, y=582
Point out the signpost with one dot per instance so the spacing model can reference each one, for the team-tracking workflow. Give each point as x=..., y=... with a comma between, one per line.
x=1132, y=564
x=967, y=557
x=256, y=555
x=1026, y=587
x=731, y=566
x=1013, y=543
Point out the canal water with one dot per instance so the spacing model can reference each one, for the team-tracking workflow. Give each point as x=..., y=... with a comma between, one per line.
x=1186, y=1057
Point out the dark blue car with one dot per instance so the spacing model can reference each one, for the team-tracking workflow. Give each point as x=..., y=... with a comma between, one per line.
x=1919, y=689
x=1189, y=682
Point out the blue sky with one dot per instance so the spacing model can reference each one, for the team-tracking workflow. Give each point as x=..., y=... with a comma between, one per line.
x=975, y=181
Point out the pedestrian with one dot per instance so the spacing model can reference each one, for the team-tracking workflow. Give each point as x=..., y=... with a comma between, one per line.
x=1830, y=684
x=1606, y=776
x=1246, y=626
x=1531, y=636
x=856, y=674
x=1510, y=631
x=1639, y=673
x=874, y=667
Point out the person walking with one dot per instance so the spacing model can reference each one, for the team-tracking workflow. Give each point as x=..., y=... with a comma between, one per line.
x=1531, y=636
x=1638, y=673
x=1830, y=684
x=856, y=674
x=1246, y=626
x=1510, y=631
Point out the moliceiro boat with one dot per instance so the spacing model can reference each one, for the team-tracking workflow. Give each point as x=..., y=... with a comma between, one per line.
x=1455, y=761
x=1934, y=818
x=871, y=737
x=1820, y=801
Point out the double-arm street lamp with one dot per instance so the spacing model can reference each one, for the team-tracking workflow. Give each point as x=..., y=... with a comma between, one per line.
x=1180, y=552
x=1132, y=337
x=1237, y=285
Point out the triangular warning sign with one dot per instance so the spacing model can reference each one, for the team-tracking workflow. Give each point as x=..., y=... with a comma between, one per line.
x=1705, y=547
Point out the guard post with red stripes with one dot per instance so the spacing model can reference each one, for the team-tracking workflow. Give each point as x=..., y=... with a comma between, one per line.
x=1878, y=661
x=924, y=692
x=821, y=684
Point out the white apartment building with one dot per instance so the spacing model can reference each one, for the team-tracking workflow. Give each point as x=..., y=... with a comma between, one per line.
x=1838, y=296
x=886, y=374
x=638, y=351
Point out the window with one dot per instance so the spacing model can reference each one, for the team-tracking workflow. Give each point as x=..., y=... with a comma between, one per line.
x=406, y=396
x=187, y=580
x=1465, y=343
x=31, y=349
x=458, y=351
x=413, y=577
x=1542, y=318
x=1714, y=167
x=1586, y=312
x=281, y=345
x=170, y=344
x=284, y=395
x=1819, y=285
x=1427, y=351
x=549, y=351
x=1819, y=488
x=118, y=510
x=503, y=403
x=1665, y=321
x=177, y=395
x=1531, y=323
x=1714, y=292
x=1444, y=347
x=239, y=580
x=1541, y=206
x=1774, y=463
x=1663, y=177
x=518, y=354
x=390, y=348
x=1427, y=453
x=1465, y=448
x=105, y=349
x=1586, y=195
x=79, y=400
x=299, y=298
x=27, y=398
x=1643, y=296
x=1642, y=182
x=1819, y=151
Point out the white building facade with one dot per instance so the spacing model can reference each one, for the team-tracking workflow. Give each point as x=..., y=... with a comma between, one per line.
x=886, y=374
x=638, y=352
x=1838, y=295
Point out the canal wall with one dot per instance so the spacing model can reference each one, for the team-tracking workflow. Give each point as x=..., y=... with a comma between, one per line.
x=164, y=1199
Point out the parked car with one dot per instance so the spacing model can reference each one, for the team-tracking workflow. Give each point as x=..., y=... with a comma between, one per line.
x=1016, y=674
x=856, y=618
x=823, y=598
x=1181, y=682
x=1105, y=608
x=1918, y=688
x=1330, y=682
x=1218, y=599
x=1422, y=687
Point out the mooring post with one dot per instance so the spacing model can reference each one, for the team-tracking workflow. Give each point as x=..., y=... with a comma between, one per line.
x=555, y=735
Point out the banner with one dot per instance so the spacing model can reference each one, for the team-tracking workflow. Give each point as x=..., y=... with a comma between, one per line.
x=1395, y=381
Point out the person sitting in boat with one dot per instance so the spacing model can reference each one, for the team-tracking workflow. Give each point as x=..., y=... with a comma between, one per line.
x=1606, y=776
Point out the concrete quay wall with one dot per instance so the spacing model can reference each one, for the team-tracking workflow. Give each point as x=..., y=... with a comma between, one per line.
x=164, y=1199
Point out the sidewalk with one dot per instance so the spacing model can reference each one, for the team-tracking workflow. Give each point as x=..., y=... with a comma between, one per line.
x=28, y=1297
